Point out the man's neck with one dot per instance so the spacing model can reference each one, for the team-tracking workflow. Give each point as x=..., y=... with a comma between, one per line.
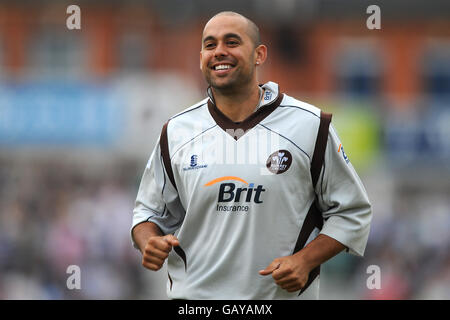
x=238, y=105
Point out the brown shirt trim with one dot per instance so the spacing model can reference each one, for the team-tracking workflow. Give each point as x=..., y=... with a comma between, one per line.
x=320, y=146
x=256, y=117
x=164, y=146
x=314, y=218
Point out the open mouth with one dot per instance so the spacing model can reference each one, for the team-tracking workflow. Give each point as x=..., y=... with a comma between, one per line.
x=222, y=67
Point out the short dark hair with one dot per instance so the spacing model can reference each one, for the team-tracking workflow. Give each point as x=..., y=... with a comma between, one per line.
x=253, y=30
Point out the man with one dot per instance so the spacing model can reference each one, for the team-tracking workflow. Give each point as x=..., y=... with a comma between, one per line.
x=239, y=228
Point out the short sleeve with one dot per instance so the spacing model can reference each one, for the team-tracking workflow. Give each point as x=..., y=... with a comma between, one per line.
x=157, y=200
x=343, y=199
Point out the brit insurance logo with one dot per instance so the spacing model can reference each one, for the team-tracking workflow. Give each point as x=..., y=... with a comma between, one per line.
x=236, y=194
x=279, y=161
x=193, y=165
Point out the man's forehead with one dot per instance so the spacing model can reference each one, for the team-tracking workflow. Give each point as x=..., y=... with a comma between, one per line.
x=222, y=25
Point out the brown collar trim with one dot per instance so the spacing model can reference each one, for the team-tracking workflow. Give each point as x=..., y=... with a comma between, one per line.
x=252, y=120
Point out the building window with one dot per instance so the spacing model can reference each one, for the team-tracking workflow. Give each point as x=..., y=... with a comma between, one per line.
x=358, y=68
x=55, y=52
x=436, y=70
x=133, y=52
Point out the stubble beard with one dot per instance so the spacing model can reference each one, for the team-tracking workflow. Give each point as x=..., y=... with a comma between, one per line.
x=235, y=83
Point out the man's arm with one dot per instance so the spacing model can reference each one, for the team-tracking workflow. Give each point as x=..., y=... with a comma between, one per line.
x=320, y=250
x=154, y=239
x=291, y=272
x=144, y=231
x=153, y=244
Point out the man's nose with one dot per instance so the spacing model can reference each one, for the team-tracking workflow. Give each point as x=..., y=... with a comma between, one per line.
x=221, y=50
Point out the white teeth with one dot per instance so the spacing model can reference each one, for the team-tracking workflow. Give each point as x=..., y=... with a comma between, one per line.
x=223, y=67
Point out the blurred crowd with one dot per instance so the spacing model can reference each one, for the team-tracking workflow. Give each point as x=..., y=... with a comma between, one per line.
x=410, y=242
x=54, y=215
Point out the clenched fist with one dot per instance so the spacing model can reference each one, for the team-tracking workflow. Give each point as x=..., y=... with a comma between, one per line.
x=157, y=250
x=290, y=273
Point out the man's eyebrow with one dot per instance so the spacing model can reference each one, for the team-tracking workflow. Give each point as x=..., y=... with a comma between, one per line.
x=226, y=36
x=233, y=35
x=208, y=38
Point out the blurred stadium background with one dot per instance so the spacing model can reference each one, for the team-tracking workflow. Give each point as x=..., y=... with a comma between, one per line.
x=80, y=111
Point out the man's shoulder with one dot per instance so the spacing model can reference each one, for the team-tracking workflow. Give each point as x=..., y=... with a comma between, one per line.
x=189, y=122
x=190, y=112
x=303, y=108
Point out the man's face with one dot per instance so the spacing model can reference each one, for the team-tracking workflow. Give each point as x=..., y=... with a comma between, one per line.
x=227, y=58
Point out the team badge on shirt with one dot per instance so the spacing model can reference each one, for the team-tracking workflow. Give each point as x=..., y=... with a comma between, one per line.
x=193, y=164
x=279, y=161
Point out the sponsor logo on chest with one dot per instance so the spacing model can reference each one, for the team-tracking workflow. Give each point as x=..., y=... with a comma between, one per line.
x=235, y=194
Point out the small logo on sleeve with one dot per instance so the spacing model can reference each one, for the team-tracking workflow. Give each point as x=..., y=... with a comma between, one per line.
x=347, y=160
x=279, y=161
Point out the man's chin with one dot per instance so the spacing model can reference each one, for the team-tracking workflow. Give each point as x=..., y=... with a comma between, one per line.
x=223, y=84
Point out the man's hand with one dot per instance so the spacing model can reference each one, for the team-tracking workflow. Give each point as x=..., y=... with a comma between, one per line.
x=157, y=250
x=289, y=272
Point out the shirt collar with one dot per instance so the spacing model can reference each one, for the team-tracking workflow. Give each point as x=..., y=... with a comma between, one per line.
x=270, y=94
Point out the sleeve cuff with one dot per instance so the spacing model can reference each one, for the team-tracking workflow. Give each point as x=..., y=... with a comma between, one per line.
x=354, y=241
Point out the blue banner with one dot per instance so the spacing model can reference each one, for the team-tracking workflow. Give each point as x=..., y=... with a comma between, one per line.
x=419, y=137
x=59, y=114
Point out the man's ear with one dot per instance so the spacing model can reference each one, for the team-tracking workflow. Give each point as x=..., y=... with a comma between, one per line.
x=201, y=60
x=260, y=54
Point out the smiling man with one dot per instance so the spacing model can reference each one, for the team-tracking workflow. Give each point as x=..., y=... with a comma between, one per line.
x=231, y=50
x=244, y=229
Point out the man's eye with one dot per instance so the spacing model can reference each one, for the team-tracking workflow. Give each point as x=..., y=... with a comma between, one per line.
x=232, y=42
x=209, y=45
